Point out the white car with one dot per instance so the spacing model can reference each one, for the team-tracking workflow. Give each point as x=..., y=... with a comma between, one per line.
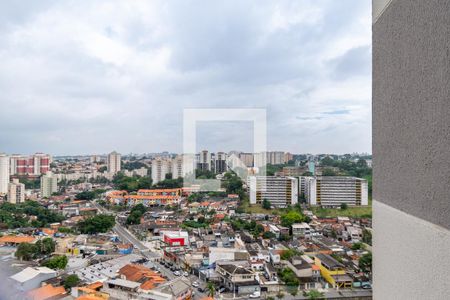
x=255, y=295
x=186, y=274
x=177, y=273
x=195, y=284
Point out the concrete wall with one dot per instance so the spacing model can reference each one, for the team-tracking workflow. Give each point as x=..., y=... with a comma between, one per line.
x=411, y=147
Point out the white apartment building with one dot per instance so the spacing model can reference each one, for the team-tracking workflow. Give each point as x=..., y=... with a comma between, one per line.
x=332, y=191
x=182, y=165
x=160, y=168
x=114, y=162
x=4, y=173
x=49, y=185
x=280, y=191
x=16, y=192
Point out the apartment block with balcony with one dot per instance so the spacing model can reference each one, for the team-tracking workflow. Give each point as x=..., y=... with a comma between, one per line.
x=332, y=191
x=279, y=191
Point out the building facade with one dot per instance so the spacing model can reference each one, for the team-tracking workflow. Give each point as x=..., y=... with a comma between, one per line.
x=114, y=163
x=411, y=130
x=280, y=191
x=160, y=168
x=49, y=185
x=4, y=173
x=34, y=165
x=16, y=192
x=332, y=191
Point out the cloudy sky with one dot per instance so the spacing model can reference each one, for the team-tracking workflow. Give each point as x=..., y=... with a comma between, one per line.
x=96, y=76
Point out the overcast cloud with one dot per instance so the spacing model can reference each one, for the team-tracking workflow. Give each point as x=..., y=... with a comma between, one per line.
x=81, y=77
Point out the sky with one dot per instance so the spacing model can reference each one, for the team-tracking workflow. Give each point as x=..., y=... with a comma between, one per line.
x=85, y=77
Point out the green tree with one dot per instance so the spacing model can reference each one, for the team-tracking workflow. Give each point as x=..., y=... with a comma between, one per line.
x=136, y=214
x=56, y=262
x=26, y=251
x=344, y=206
x=292, y=217
x=268, y=235
x=288, y=277
x=357, y=246
x=367, y=237
x=96, y=224
x=266, y=204
x=71, y=281
x=365, y=263
x=45, y=246
x=211, y=289
x=289, y=253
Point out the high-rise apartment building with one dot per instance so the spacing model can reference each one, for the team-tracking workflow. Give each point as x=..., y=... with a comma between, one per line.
x=16, y=192
x=4, y=173
x=220, y=162
x=114, y=162
x=33, y=165
x=280, y=191
x=332, y=191
x=49, y=185
x=204, y=161
x=160, y=168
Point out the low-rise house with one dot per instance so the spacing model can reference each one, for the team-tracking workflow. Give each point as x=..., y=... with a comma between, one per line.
x=306, y=271
x=237, y=278
x=333, y=271
x=301, y=230
x=46, y=292
x=179, y=289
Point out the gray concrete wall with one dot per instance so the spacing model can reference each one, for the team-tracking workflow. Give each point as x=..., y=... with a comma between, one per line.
x=411, y=108
x=411, y=149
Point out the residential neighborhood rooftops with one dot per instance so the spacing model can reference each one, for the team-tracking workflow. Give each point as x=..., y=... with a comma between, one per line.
x=46, y=292
x=30, y=273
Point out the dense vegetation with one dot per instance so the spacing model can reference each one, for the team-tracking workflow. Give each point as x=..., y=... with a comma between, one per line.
x=365, y=263
x=56, y=262
x=288, y=277
x=17, y=215
x=27, y=251
x=130, y=184
x=251, y=226
x=348, y=167
x=293, y=216
x=89, y=195
x=288, y=254
x=169, y=183
x=233, y=184
x=96, y=224
x=133, y=165
x=135, y=214
x=71, y=281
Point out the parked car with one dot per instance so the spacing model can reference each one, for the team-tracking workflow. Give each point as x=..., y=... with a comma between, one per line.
x=195, y=284
x=177, y=273
x=255, y=295
x=201, y=290
x=186, y=274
